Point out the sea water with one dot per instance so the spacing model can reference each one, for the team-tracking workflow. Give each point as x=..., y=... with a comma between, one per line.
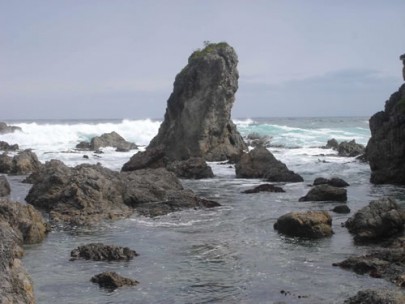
x=229, y=254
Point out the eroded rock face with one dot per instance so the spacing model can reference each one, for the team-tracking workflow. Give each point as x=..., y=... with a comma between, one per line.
x=386, y=148
x=379, y=220
x=261, y=163
x=197, y=121
x=310, y=224
x=101, y=252
x=324, y=192
x=24, y=162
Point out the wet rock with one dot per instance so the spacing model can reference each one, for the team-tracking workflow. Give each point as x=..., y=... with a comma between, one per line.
x=7, y=147
x=257, y=140
x=197, y=121
x=310, y=224
x=379, y=220
x=343, y=209
x=6, y=163
x=193, y=168
x=101, y=252
x=350, y=149
x=112, y=280
x=4, y=128
x=332, y=144
x=26, y=221
x=112, y=139
x=24, y=162
x=152, y=158
x=335, y=182
x=372, y=296
x=264, y=188
x=325, y=192
x=4, y=186
x=261, y=163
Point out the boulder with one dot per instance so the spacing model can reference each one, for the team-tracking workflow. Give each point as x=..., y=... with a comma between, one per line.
x=151, y=158
x=4, y=186
x=343, y=209
x=332, y=144
x=256, y=140
x=386, y=147
x=23, y=163
x=264, y=188
x=101, y=252
x=350, y=149
x=112, y=139
x=197, y=120
x=112, y=280
x=310, y=224
x=335, y=182
x=261, y=163
x=325, y=192
x=7, y=147
x=192, y=168
x=4, y=128
x=27, y=222
x=6, y=163
x=372, y=296
x=379, y=220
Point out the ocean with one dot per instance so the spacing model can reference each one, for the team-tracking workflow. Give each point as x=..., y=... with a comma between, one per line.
x=229, y=254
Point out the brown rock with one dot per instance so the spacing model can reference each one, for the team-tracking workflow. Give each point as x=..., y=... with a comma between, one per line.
x=112, y=280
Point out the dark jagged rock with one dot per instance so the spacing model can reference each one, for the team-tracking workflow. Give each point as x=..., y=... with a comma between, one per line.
x=4, y=186
x=335, y=182
x=344, y=209
x=402, y=57
x=151, y=158
x=197, y=121
x=112, y=280
x=52, y=167
x=256, y=140
x=379, y=220
x=386, y=147
x=264, y=188
x=345, y=148
x=372, y=296
x=325, y=192
x=332, y=144
x=7, y=147
x=101, y=252
x=112, y=139
x=310, y=224
x=192, y=168
x=4, y=128
x=27, y=221
x=24, y=162
x=86, y=194
x=261, y=163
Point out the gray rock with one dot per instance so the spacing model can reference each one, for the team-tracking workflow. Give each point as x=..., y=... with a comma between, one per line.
x=193, y=168
x=310, y=224
x=23, y=163
x=335, y=182
x=261, y=163
x=4, y=128
x=344, y=209
x=197, y=121
x=101, y=252
x=386, y=148
x=7, y=147
x=372, y=296
x=4, y=186
x=112, y=139
x=379, y=220
x=402, y=57
x=152, y=158
x=112, y=280
x=350, y=149
x=264, y=188
x=325, y=192
x=332, y=144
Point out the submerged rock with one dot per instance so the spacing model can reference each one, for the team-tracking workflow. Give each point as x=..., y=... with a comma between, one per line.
x=101, y=252
x=112, y=139
x=23, y=163
x=379, y=220
x=261, y=163
x=4, y=128
x=197, y=121
x=335, y=182
x=112, y=280
x=372, y=296
x=4, y=186
x=324, y=192
x=310, y=224
x=264, y=188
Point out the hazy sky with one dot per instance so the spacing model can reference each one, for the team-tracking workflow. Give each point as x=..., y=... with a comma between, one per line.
x=119, y=58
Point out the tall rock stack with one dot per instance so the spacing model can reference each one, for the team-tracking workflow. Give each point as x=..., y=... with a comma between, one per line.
x=198, y=122
x=386, y=148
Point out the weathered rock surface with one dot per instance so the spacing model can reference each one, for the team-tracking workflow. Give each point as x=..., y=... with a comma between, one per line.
x=324, y=192
x=86, y=194
x=4, y=128
x=4, y=186
x=386, y=147
x=379, y=220
x=264, y=188
x=112, y=139
x=310, y=224
x=151, y=158
x=192, y=168
x=112, y=280
x=7, y=147
x=24, y=162
x=197, y=120
x=372, y=296
x=334, y=181
x=345, y=148
x=27, y=222
x=261, y=163
x=101, y=252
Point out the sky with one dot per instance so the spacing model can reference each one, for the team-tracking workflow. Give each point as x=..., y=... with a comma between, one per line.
x=90, y=59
